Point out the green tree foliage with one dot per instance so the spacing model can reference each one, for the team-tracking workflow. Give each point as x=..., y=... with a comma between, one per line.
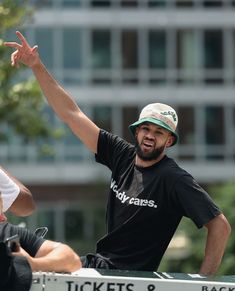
x=21, y=101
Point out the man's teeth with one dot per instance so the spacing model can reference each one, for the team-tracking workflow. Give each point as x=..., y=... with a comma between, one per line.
x=148, y=144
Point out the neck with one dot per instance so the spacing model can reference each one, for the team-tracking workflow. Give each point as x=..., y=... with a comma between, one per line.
x=144, y=164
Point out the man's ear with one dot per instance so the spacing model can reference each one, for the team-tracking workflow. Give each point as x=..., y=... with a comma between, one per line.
x=170, y=141
x=136, y=131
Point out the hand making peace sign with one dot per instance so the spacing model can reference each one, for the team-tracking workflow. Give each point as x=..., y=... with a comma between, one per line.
x=24, y=53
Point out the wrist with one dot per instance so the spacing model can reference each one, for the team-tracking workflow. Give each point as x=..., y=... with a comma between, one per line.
x=36, y=65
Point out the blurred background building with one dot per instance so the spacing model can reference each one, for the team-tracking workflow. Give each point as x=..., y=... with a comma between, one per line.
x=114, y=57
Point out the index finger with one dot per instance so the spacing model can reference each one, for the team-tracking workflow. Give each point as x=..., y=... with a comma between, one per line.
x=12, y=44
x=22, y=38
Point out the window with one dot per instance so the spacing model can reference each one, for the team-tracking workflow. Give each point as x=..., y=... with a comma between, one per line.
x=184, y=3
x=44, y=37
x=233, y=59
x=42, y=3
x=157, y=49
x=212, y=3
x=213, y=55
x=157, y=52
x=74, y=223
x=129, y=49
x=71, y=48
x=71, y=3
x=71, y=55
x=213, y=46
x=130, y=115
x=233, y=132
x=130, y=55
x=157, y=3
x=187, y=56
x=99, y=222
x=70, y=139
x=46, y=218
x=214, y=127
x=101, y=56
x=101, y=49
x=129, y=3
x=103, y=117
x=100, y=3
x=186, y=130
x=186, y=125
x=214, y=132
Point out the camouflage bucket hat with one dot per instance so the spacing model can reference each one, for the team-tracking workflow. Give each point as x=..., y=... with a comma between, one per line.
x=159, y=114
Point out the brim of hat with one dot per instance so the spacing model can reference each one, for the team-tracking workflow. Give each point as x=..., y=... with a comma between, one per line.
x=156, y=121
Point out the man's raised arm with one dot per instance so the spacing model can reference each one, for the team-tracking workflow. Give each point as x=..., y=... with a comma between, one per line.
x=61, y=102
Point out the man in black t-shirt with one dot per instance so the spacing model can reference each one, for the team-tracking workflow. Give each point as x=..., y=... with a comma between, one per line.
x=42, y=255
x=149, y=193
x=23, y=252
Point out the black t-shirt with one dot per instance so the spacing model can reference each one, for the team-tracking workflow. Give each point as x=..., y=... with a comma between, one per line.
x=28, y=240
x=145, y=205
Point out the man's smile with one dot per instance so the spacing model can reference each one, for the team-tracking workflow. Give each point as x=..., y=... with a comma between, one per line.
x=148, y=144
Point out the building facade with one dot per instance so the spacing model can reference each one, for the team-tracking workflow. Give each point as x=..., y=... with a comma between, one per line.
x=114, y=57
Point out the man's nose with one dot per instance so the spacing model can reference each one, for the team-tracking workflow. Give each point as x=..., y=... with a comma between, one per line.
x=149, y=135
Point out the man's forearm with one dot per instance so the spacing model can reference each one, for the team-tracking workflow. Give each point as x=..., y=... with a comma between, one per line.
x=209, y=266
x=218, y=234
x=61, y=259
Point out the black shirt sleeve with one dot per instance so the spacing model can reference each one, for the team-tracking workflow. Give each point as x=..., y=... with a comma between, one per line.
x=110, y=146
x=28, y=240
x=194, y=201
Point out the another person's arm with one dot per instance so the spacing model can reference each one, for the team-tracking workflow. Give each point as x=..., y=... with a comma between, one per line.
x=218, y=231
x=15, y=197
x=61, y=102
x=53, y=257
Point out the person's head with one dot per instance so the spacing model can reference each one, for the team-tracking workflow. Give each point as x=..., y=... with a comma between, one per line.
x=155, y=130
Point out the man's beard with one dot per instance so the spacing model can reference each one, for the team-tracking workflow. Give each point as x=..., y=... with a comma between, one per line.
x=150, y=156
